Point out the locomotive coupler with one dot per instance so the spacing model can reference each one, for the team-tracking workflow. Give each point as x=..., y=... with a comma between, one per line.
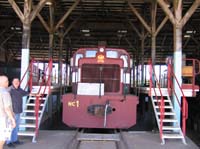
x=99, y=109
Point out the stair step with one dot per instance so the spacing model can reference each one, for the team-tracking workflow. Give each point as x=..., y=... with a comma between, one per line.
x=170, y=128
x=172, y=136
x=40, y=98
x=155, y=100
x=169, y=120
x=32, y=111
x=28, y=117
x=165, y=107
x=33, y=104
x=166, y=113
x=28, y=125
x=26, y=133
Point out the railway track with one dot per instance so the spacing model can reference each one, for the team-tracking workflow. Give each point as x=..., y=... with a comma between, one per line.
x=85, y=140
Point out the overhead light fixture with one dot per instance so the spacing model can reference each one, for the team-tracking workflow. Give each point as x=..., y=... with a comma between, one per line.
x=87, y=35
x=190, y=32
x=187, y=36
x=49, y=2
x=85, y=30
x=122, y=31
x=16, y=28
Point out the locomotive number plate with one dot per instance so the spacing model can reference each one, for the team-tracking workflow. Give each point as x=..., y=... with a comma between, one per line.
x=73, y=103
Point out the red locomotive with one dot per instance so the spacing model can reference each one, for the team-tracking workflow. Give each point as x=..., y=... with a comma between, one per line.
x=100, y=90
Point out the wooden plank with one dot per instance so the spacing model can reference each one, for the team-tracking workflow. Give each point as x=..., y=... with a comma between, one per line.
x=98, y=137
x=187, y=71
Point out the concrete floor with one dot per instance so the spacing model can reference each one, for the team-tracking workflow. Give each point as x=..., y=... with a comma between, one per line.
x=59, y=139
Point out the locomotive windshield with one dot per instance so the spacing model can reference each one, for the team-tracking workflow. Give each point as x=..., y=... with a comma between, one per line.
x=101, y=73
x=100, y=70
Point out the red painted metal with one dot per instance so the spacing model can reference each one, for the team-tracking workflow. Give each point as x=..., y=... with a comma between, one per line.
x=161, y=104
x=28, y=70
x=45, y=84
x=184, y=107
x=195, y=71
x=75, y=111
x=96, y=70
x=29, y=84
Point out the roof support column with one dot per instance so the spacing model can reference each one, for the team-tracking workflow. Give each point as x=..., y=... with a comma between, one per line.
x=25, y=53
x=51, y=33
x=26, y=19
x=153, y=31
x=178, y=22
x=51, y=41
x=67, y=62
x=60, y=64
x=61, y=36
x=177, y=56
x=26, y=41
x=142, y=56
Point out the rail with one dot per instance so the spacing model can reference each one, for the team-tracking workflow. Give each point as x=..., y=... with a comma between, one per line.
x=194, y=64
x=28, y=71
x=184, y=108
x=83, y=138
x=161, y=104
x=46, y=82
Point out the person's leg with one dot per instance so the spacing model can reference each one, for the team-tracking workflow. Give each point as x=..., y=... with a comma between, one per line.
x=11, y=138
x=16, y=129
x=1, y=144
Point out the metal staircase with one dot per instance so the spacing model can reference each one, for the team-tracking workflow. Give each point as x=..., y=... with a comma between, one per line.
x=35, y=106
x=166, y=118
x=169, y=127
x=30, y=121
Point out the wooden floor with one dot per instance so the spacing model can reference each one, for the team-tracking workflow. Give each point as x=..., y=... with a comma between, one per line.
x=59, y=139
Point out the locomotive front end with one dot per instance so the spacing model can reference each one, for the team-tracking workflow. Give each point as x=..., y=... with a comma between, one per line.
x=100, y=84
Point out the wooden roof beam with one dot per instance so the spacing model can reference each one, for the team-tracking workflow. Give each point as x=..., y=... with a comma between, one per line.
x=67, y=14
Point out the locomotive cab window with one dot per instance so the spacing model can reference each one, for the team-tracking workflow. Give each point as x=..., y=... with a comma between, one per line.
x=111, y=54
x=90, y=53
x=101, y=73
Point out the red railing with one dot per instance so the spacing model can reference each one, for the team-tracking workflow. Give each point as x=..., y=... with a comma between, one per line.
x=28, y=71
x=46, y=83
x=161, y=104
x=195, y=64
x=184, y=108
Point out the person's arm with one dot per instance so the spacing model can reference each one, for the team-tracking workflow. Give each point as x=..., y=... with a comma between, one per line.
x=8, y=108
x=26, y=93
x=10, y=115
x=23, y=92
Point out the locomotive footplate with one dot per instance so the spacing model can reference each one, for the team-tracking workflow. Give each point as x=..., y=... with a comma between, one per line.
x=99, y=110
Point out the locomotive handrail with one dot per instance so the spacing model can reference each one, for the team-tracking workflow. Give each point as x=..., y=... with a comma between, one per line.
x=161, y=104
x=74, y=69
x=184, y=108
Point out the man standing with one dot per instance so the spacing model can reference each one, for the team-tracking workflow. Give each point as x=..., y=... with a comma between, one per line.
x=5, y=109
x=16, y=95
